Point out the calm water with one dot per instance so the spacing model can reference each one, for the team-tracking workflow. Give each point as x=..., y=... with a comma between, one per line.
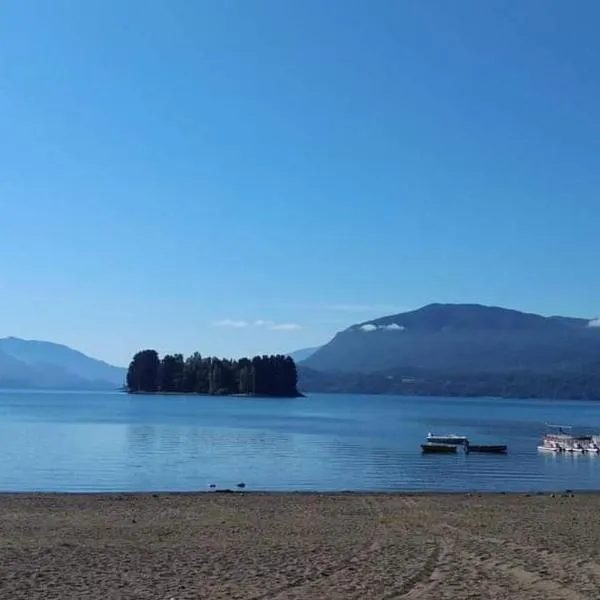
x=110, y=441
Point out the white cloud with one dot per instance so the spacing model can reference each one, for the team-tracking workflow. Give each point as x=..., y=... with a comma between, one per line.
x=391, y=327
x=285, y=327
x=263, y=323
x=236, y=324
x=394, y=327
x=594, y=323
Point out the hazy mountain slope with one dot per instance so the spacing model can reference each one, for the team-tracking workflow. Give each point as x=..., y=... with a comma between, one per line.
x=302, y=354
x=33, y=363
x=462, y=338
x=17, y=374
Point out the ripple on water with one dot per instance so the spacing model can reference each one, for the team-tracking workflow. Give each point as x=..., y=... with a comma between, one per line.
x=114, y=442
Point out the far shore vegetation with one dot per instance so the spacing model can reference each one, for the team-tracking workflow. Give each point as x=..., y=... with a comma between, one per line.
x=174, y=374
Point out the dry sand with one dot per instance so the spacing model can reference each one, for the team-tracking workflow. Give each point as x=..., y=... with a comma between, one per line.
x=283, y=546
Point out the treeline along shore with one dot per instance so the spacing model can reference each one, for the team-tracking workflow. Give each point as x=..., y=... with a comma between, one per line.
x=173, y=374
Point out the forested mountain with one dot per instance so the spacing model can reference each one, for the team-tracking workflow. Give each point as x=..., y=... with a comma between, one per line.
x=259, y=376
x=462, y=338
x=413, y=382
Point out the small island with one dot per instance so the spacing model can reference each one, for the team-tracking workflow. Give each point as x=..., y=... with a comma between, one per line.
x=274, y=376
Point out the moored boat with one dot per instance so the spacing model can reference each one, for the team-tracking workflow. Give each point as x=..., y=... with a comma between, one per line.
x=433, y=448
x=450, y=438
x=561, y=441
x=575, y=447
x=550, y=446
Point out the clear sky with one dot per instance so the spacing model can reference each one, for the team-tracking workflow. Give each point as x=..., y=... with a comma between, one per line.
x=252, y=176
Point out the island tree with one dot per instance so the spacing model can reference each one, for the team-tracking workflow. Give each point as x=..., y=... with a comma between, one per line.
x=273, y=375
x=143, y=372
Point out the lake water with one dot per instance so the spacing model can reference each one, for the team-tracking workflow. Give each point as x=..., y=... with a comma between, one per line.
x=51, y=441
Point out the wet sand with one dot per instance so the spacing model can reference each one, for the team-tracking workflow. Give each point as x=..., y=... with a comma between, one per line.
x=301, y=546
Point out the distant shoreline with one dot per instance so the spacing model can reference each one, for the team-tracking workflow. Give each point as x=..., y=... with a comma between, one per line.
x=433, y=394
x=302, y=394
x=140, y=393
x=296, y=493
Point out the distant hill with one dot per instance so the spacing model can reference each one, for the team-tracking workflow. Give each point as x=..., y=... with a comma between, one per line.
x=303, y=354
x=410, y=382
x=39, y=364
x=462, y=339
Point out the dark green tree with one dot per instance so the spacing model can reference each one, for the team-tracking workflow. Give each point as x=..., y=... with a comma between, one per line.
x=170, y=373
x=245, y=375
x=261, y=376
x=142, y=375
x=194, y=376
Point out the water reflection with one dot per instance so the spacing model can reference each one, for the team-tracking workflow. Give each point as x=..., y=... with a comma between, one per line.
x=119, y=442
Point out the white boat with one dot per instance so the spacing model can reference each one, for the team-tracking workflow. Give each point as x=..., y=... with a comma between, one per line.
x=592, y=448
x=557, y=442
x=565, y=442
x=550, y=446
x=450, y=438
x=575, y=447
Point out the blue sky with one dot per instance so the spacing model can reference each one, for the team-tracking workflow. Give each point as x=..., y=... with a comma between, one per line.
x=253, y=176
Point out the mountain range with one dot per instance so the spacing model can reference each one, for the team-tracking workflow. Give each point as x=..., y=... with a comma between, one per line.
x=439, y=349
x=461, y=349
x=44, y=365
x=462, y=337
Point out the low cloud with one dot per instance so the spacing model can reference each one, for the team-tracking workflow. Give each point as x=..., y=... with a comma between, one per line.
x=233, y=323
x=594, y=323
x=262, y=323
x=391, y=327
x=394, y=327
x=285, y=327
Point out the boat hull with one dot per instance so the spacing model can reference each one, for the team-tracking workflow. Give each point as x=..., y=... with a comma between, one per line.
x=550, y=449
x=438, y=449
x=489, y=449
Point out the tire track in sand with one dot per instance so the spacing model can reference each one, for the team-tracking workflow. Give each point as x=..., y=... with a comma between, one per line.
x=555, y=563
x=433, y=572
x=516, y=579
x=371, y=546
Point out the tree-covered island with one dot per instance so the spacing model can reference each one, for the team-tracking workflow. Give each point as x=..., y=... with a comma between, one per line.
x=174, y=374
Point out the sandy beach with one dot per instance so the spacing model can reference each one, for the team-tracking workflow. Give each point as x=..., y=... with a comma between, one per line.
x=284, y=546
